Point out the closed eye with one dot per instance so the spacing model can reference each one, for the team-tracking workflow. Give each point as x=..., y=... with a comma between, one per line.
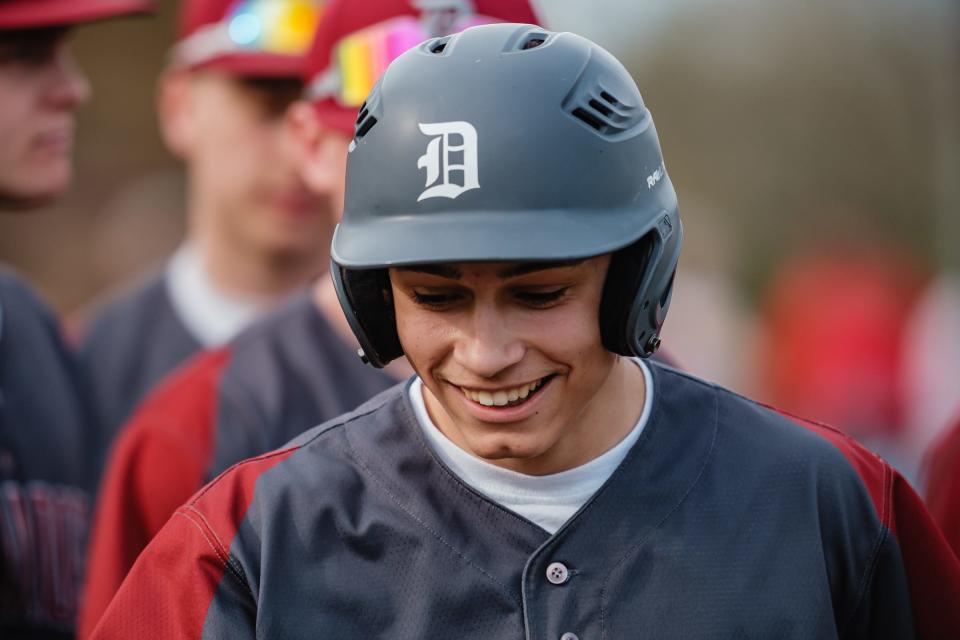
x=436, y=300
x=541, y=298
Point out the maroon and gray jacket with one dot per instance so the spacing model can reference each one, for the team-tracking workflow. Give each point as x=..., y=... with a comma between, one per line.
x=282, y=376
x=726, y=519
x=46, y=470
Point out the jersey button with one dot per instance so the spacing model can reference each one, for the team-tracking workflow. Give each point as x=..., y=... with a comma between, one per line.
x=557, y=573
x=569, y=636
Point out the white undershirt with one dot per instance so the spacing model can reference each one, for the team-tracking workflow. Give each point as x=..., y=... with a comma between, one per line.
x=209, y=314
x=549, y=500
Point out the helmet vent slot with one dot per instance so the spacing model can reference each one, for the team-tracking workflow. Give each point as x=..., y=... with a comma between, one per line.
x=589, y=117
x=369, y=112
x=601, y=111
x=437, y=46
x=601, y=107
x=364, y=126
x=609, y=98
x=533, y=41
x=526, y=38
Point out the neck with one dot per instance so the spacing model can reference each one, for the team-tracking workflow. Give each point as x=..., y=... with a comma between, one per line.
x=612, y=413
x=258, y=275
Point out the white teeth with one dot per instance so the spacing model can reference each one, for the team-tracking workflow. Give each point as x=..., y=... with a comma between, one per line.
x=503, y=397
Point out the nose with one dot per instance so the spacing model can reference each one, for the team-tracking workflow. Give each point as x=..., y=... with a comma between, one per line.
x=489, y=346
x=68, y=86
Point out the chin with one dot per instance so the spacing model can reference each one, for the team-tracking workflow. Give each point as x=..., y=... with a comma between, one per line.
x=294, y=239
x=32, y=195
x=499, y=446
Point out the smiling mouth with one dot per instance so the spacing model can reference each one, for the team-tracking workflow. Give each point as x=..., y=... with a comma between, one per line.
x=507, y=397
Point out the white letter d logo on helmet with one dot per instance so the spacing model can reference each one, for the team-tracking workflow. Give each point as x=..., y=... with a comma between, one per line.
x=453, y=151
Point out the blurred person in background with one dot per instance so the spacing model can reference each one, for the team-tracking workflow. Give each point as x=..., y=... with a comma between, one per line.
x=932, y=389
x=46, y=423
x=930, y=376
x=834, y=322
x=297, y=367
x=942, y=479
x=255, y=233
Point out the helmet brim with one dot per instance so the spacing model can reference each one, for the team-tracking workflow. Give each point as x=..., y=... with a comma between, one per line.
x=55, y=13
x=488, y=236
x=255, y=65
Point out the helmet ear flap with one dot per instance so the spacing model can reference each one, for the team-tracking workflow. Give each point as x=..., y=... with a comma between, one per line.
x=367, y=301
x=637, y=293
x=625, y=275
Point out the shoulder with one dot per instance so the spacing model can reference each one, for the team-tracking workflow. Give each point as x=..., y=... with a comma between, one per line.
x=773, y=444
x=129, y=307
x=297, y=313
x=30, y=334
x=186, y=395
x=382, y=408
x=295, y=336
x=18, y=299
x=171, y=429
x=12, y=286
x=291, y=366
x=316, y=459
x=278, y=340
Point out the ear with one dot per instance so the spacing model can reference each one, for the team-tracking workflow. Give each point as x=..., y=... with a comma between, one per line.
x=175, y=112
x=317, y=150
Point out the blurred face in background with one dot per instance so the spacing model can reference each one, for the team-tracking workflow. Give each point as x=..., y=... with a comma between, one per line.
x=40, y=89
x=320, y=151
x=244, y=186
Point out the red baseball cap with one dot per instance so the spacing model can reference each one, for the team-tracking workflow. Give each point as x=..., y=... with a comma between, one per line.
x=261, y=38
x=33, y=14
x=358, y=39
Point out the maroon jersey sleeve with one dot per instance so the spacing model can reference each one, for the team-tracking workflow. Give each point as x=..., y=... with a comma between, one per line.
x=913, y=541
x=158, y=462
x=943, y=485
x=933, y=571
x=170, y=591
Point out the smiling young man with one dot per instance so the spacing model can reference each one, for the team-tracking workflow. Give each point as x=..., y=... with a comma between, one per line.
x=510, y=228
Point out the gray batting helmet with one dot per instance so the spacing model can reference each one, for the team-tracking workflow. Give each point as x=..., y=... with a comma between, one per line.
x=507, y=142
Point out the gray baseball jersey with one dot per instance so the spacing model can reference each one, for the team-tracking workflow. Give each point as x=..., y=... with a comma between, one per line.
x=131, y=344
x=725, y=520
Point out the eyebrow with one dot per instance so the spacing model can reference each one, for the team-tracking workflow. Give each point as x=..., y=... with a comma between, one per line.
x=519, y=269
x=532, y=267
x=442, y=270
